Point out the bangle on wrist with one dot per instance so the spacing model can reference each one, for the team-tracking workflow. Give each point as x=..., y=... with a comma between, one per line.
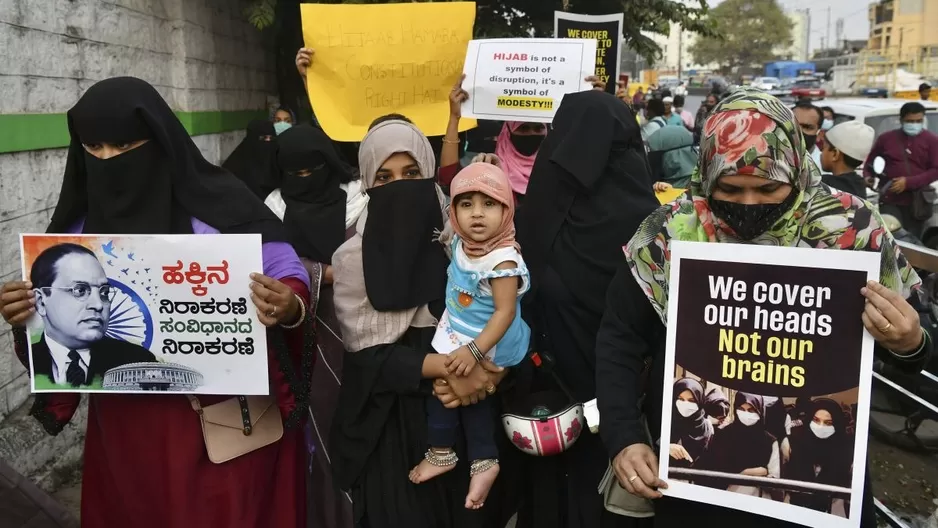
x=300, y=319
x=451, y=141
x=476, y=353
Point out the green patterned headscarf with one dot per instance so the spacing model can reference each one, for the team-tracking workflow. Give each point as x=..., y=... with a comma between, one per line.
x=753, y=133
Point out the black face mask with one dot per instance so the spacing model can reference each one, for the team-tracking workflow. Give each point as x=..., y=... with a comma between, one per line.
x=130, y=193
x=809, y=142
x=751, y=220
x=527, y=145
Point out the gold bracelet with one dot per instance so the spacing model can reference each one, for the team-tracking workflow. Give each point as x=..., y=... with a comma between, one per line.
x=299, y=320
x=451, y=142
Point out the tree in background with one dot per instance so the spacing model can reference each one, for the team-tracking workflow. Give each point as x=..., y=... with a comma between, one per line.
x=522, y=18
x=750, y=32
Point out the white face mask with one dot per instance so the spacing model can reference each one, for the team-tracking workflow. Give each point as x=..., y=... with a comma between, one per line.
x=747, y=418
x=822, y=431
x=686, y=408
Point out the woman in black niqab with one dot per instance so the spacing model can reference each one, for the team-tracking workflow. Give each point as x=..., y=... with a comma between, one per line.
x=743, y=447
x=156, y=188
x=588, y=192
x=254, y=160
x=315, y=203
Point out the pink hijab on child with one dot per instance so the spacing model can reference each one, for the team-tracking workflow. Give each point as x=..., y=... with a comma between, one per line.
x=492, y=182
x=516, y=165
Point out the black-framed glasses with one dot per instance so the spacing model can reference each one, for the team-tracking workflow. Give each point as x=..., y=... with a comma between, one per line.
x=81, y=291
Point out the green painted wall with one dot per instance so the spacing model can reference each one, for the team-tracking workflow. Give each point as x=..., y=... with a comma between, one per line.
x=19, y=132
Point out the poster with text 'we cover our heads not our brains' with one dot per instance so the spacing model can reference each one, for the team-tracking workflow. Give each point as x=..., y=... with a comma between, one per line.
x=767, y=380
x=145, y=313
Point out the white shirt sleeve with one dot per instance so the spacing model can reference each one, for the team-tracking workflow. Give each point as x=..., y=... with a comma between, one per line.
x=275, y=203
x=774, y=467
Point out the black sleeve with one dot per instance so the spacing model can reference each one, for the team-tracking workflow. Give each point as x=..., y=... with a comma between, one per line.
x=630, y=333
x=910, y=363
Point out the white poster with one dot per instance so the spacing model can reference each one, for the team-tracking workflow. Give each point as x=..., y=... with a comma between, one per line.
x=525, y=79
x=767, y=380
x=145, y=313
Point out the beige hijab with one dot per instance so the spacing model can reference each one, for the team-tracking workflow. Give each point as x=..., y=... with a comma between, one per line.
x=362, y=325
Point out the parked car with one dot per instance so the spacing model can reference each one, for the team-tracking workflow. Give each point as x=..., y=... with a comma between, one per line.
x=883, y=116
x=783, y=90
x=880, y=93
x=766, y=83
x=807, y=88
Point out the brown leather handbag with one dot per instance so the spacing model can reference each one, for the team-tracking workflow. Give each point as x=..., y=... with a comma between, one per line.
x=238, y=425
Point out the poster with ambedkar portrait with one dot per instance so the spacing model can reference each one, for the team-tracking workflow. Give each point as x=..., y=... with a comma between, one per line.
x=144, y=314
x=767, y=389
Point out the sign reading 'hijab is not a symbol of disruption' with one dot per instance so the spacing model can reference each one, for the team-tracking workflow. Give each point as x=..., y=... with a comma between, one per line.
x=770, y=326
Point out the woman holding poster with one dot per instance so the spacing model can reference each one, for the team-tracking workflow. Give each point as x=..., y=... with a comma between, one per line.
x=588, y=193
x=772, y=198
x=133, y=169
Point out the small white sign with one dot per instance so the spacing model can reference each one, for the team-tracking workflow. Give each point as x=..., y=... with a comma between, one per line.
x=525, y=79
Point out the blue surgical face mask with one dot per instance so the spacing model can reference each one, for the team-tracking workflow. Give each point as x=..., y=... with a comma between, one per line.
x=827, y=124
x=912, y=129
x=281, y=126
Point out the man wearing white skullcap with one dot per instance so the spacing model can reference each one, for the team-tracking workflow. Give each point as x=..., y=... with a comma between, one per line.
x=670, y=117
x=846, y=146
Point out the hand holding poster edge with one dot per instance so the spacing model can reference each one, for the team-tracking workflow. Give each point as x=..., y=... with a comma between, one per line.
x=524, y=79
x=865, y=262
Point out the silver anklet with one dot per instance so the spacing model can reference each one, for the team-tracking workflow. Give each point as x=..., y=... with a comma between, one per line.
x=481, y=466
x=448, y=459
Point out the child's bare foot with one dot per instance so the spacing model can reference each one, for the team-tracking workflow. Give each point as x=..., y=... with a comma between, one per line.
x=435, y=463
x=481, y=483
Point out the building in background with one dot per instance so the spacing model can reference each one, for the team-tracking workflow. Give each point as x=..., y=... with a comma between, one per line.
x=676, y=58
x=904, y=29
x=798, y=50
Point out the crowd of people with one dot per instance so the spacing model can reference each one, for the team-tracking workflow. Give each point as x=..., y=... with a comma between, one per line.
x=517, y=279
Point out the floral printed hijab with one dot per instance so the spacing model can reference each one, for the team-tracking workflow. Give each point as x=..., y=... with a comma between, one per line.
x=753, y=133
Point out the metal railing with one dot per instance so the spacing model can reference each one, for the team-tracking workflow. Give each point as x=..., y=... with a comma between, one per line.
x=762, y=482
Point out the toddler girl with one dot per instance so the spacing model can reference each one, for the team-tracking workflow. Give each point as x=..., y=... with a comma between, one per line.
x=482, y=320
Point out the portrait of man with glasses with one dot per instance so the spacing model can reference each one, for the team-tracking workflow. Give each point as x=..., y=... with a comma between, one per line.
x=73, y=298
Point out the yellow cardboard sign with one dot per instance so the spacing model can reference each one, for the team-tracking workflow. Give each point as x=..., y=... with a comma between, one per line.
x=669, y=195
x=376, y=59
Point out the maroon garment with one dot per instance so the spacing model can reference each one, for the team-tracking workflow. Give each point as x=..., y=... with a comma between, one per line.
x=145, y=463
x=922, y=169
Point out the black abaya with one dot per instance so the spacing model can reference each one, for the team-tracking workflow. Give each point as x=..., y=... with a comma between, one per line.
x=588, y=192
x=254, y=160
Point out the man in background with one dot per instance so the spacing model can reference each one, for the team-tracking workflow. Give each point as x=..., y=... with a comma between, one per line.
x=845, y=148
x=911, y=156
x=810, y=118
x=924, y=91
x=654, y=115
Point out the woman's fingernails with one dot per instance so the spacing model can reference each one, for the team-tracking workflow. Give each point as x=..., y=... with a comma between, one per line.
x=29, y=284
x=864, y=291
x=254, y=276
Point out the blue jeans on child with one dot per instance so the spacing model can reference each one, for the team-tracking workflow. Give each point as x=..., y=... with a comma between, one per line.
x=478, y=424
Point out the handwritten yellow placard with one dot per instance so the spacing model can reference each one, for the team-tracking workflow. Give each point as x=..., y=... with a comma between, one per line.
x=376, y=59
x=669, y=195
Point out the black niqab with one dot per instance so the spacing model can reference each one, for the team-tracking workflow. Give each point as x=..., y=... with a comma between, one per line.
x=153, y=191
x=589, y=191
x=315, y=212
x=403, y=262
x=254, y=160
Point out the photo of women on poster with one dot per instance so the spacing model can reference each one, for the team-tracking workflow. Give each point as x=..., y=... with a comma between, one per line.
x=771, y=371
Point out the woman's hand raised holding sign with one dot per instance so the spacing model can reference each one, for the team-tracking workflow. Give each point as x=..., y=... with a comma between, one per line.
x=275, y=302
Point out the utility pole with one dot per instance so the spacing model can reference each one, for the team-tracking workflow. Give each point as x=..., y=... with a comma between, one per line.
x=828, y=26
x=680, y=51
x=807, y=34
